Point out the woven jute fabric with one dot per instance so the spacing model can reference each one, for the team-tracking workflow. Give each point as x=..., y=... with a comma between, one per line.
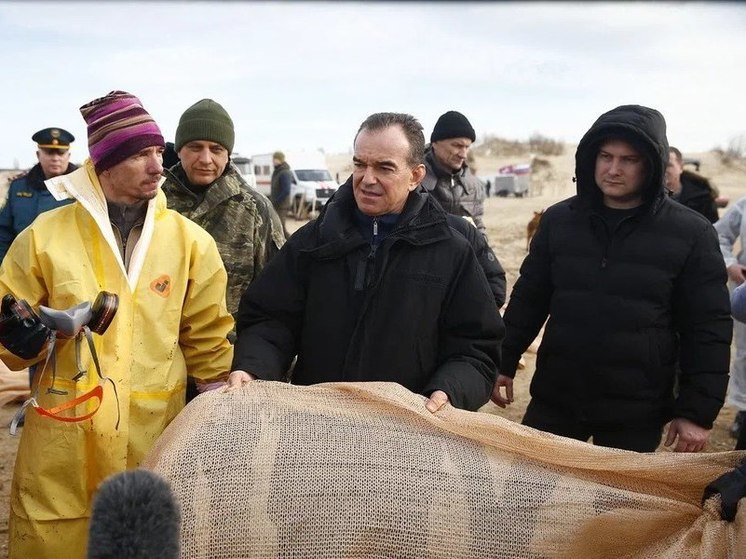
x=361, y=470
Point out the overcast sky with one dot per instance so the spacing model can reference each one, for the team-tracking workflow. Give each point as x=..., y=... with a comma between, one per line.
x=304, y=75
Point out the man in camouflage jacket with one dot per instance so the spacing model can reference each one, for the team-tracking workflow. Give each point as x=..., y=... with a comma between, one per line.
x=208, y=189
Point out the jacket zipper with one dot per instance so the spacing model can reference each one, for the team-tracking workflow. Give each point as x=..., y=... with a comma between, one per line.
x=362, y=266
x=610, y=237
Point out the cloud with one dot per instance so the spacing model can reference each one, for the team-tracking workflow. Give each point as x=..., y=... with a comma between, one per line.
x=300, y=73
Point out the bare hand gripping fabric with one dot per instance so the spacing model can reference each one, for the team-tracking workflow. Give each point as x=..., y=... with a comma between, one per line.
x=364, y=470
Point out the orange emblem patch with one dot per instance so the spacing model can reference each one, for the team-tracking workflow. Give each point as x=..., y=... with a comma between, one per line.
x=161, y=285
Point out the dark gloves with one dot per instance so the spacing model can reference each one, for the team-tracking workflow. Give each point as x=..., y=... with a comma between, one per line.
x=732, y=488
x=21, y=331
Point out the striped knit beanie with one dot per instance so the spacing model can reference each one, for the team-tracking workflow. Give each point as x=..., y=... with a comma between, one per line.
x=118, y=127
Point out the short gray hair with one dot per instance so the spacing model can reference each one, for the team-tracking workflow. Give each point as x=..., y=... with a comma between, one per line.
x=411, y=127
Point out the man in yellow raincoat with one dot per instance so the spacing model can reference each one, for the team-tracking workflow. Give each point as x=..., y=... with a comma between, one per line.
x=171, y=322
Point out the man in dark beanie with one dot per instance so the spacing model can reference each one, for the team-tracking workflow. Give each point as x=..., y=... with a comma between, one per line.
x=170, y=323
x=453, y=184
x=448, y=177
x=207, y=188
x=282, y=183
x=634, y=289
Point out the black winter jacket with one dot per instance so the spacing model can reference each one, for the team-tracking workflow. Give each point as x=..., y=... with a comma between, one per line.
x=417, y=310
x=626, y=305
x=696, y=193
x=491, y=266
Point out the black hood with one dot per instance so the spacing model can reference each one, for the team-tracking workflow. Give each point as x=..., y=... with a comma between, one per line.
x=644, y=128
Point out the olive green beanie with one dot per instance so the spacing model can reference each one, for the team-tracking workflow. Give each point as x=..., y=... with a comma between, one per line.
x=205, y=120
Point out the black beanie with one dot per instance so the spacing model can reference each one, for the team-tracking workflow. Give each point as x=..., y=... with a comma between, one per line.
x=452, y=125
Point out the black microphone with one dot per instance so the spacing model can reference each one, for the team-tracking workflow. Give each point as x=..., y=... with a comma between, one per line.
x=135, y=516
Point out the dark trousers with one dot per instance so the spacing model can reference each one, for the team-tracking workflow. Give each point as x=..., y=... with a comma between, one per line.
x=640, y=437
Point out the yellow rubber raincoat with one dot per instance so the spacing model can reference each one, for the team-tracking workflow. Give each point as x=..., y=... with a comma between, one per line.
x=171, y=321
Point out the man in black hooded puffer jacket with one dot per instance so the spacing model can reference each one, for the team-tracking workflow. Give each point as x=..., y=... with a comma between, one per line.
x=634, y=287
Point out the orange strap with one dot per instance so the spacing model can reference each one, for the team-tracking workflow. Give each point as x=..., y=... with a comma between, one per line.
x=97, y=392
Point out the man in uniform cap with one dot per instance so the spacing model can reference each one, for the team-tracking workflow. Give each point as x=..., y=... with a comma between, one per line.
x=27, y=195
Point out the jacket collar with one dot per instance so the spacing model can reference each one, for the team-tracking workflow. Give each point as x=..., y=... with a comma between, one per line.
x=83, y=185
x=35, y=177
x=422, y=222
x=228, y=185
x=436, y=172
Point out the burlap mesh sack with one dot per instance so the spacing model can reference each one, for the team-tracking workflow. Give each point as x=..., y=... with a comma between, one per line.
x=353, y=470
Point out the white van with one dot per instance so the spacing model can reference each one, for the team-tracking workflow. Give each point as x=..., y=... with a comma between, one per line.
x=312, y=182
x=244, y=166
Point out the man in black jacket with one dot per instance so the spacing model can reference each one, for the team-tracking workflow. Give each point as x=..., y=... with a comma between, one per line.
x=690, y=189
x=449, y=178
x=635, y=290
x=378, y=288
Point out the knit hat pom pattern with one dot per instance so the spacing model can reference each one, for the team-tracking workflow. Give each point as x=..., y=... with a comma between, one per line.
x=118, y=128
x=208, y=121
x=452, y=125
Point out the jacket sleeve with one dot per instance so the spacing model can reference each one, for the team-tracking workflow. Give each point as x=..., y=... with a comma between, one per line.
x=285, y=186
x=711, y=210
x=701, y=306
x=478, y=211
x=728, y=229
x=530, y=299
x=469, y=346
x=21, y=275
x=738, y=303
x=205, y=321
x=487, y=259
x=268, y=326
x=7, y=231
x=268, y=236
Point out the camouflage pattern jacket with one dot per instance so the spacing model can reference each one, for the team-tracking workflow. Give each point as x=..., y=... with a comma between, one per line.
x=460, y=193
x=242, y=221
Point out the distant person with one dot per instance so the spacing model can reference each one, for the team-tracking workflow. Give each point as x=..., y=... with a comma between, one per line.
x=282, y=184
x=689, y=188
x=27, y=195
x=208, y=188
x=471, y=163
x=378, y=288
x=731, y=230
x=633, y=285
x=448, y=177
x=171, y=323
x=170, y=157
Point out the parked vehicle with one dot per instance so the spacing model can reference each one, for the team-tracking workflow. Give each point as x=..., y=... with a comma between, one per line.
x=245, y=168
x=312, y=182
x=512, y=179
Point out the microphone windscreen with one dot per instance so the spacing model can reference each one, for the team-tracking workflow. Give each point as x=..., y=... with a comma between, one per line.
x=135, y=516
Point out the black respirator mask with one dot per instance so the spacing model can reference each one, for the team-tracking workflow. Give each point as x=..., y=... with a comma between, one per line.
x=25, y=333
